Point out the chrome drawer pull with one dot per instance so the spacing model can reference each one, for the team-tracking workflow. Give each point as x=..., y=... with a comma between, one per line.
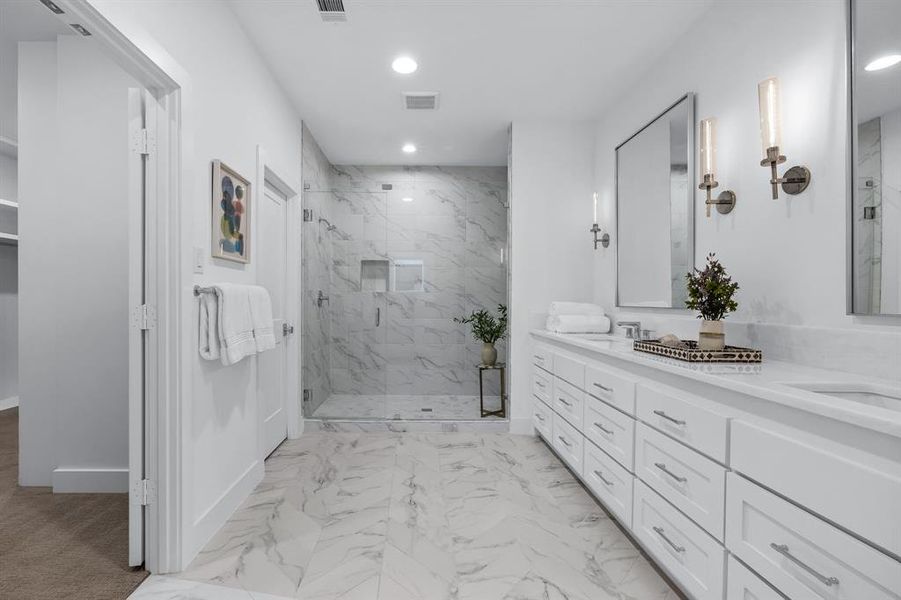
x=601, y=477
x=604, y=429
x=539, y=417
x=783, y=550
x=562, y=439
x=660, y=413
x=659, y=531
x=564, y=401
x=603, y=387
x=663, y=468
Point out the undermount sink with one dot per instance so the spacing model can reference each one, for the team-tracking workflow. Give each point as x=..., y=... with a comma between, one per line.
x=862, y=393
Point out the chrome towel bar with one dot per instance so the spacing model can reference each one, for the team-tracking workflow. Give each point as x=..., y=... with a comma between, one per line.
x=203, y=290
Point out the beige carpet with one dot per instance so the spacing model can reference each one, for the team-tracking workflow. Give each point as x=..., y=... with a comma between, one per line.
x=56, y=546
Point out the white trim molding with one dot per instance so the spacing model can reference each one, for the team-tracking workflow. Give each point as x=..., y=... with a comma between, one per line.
x=85, y=481
x=7, y=403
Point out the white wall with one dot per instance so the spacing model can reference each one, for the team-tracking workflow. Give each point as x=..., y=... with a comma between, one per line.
x=231, y=103
x=73, y=293
x=788, y=255
x=9, y=283
x=550, y=211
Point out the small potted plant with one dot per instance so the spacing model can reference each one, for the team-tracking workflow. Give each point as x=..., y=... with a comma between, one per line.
x=488, y=329
x=711, y=292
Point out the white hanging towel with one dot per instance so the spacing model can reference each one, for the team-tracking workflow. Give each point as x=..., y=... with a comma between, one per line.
x=578, y=324
x=235, y=322
x=575, y=308
x=261, y=315
x=209, y=326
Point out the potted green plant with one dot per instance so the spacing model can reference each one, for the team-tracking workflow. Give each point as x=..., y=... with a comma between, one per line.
x=711, y=292
x=488, y=329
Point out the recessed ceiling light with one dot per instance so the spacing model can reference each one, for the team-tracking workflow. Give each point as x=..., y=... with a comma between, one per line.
x=404, y=65
x=409, y=148
x=407, y=199
x=883, y=62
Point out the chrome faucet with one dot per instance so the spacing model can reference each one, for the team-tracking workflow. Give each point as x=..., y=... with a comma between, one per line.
x=633, y=329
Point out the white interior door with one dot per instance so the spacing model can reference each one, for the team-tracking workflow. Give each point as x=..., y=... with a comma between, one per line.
x=272, y=260
x=140, y=120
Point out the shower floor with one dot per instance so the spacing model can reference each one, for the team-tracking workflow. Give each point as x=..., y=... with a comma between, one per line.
x=405, y=408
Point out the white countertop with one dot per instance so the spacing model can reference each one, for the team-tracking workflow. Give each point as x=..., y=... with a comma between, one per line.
x=766, y=380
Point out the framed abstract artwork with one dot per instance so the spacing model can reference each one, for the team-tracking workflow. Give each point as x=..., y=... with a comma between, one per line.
x=231, y=208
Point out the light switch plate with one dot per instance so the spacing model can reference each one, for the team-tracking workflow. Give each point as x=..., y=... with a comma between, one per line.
x=199, y=260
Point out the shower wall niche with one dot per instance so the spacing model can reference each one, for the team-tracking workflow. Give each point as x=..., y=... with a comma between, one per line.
x=411, y=248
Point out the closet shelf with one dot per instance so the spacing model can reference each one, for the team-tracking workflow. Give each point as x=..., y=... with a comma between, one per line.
x=9, y=204
x=9, y=239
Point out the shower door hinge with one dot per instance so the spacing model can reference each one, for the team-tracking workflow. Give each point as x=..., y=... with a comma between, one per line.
x=144, y=492
x=142, y=142
x=307, y=395
x=307, y=215
x=145, y=317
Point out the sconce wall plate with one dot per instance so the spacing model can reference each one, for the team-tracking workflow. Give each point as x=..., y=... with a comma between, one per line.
x=725, y=202
x=796, y=180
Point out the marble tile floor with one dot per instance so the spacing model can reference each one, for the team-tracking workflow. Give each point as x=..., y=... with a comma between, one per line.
x=404, y=407
x=456, y=516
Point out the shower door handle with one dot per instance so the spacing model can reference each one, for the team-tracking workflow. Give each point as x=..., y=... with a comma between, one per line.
x=378, y=316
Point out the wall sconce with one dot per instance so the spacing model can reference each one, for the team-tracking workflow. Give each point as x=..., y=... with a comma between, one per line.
x=796, y=178
x=725, y=202
x=603, y=240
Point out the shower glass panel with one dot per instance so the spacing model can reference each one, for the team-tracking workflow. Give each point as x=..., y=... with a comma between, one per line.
x=384, y=275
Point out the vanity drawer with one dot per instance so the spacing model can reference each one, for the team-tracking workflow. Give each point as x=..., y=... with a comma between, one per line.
x=570, y=369
x=610, y=386
x=611, y=430
x=611, y=483
x=680, y=416
x=543, y=419
x=568, y=443
x=693, y=483
x=543, y=357
x=569, y=401
x=743, y=584
x=542, y=385
x=685, y=551
x=855, y=490
x=798, y=553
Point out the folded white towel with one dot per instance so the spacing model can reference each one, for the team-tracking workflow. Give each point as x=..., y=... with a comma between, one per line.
x=235, y=322
x=578, y=324
x=209, y=327
x=574, y=308
x=261, y=316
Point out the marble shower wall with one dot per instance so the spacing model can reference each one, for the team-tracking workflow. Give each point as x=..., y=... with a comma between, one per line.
x=406, y=261
x=868, y=231
x=316, y=261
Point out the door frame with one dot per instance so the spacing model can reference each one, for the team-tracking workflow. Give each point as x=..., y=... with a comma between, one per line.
x=269, y=171
x=168, y=291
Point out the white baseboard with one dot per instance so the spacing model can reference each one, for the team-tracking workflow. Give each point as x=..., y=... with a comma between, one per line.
x=522, y=427
x=82, y=481
x=11, y=402
x=221, y=510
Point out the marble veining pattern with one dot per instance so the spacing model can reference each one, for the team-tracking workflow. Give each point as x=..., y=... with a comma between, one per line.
x=416, y=516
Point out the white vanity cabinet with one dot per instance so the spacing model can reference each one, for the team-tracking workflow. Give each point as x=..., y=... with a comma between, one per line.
x=732, y=496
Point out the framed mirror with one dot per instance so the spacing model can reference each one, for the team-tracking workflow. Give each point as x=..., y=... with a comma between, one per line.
x=655, y=210
x=874, y=211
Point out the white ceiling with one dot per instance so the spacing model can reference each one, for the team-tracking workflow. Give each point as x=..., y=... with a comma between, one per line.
x=20, y=21
x=493, y=61
x=877, y=33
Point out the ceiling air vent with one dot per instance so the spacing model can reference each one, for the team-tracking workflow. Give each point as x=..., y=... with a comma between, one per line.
x=420, y=100
x=331, y=11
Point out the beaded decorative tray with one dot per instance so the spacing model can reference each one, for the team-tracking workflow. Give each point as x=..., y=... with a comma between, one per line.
x=691, y=352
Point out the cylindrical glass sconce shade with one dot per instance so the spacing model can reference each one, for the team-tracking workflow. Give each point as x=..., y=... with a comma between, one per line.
x=770, y=114
x=708, y=147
